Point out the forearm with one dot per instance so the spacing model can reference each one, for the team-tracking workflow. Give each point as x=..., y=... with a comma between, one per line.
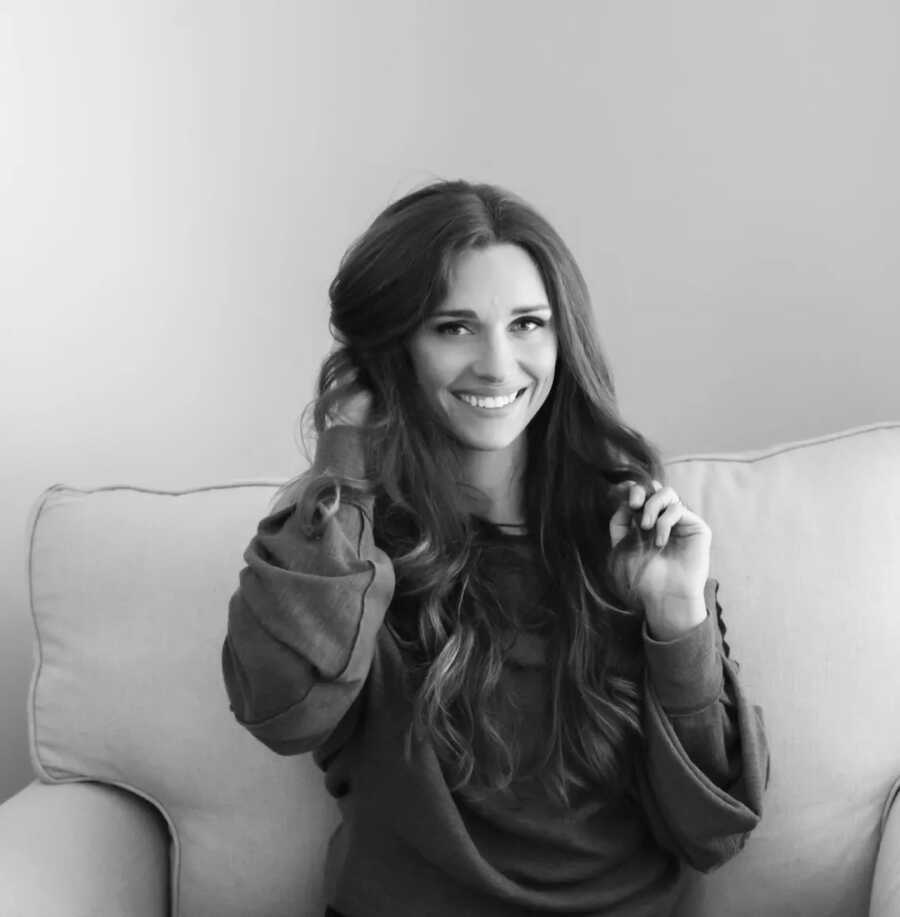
x=674, y=617
x=302, y=623
x=686, y=675
x=701, y=804
x=706, y=756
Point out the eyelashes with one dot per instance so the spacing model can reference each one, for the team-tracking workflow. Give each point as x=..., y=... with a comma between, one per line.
x=537, y=322
x=456, y=329
x=450, y=329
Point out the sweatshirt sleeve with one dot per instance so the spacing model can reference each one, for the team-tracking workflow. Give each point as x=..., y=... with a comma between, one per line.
x=706, y=759
x=303, y=621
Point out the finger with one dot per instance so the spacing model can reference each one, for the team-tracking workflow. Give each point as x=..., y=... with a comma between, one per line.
x=630, y=481
x=673, y=514
x=656, y=504
x=639, y=493
x=622, y=516
x=619, y=524
x=635, y=492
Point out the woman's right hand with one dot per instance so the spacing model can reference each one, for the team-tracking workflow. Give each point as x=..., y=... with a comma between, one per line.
x=355, y=411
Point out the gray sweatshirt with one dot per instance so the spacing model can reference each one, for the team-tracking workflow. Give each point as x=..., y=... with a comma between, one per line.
x=309, y=665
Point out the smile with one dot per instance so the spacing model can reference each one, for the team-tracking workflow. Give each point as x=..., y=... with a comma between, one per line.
x=489, y=403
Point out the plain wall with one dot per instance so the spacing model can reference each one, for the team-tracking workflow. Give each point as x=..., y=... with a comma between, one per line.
x=179, y=180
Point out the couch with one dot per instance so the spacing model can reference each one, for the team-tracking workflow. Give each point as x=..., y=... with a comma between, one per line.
x=148, y=799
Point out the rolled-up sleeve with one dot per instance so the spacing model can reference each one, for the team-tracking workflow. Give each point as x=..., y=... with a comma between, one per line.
x=706, y=759
x=303, y=621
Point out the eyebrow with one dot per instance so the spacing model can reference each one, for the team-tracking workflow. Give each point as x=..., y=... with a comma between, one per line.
x=468, y=313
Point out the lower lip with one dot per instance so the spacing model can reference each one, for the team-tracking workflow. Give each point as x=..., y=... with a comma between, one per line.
x=493, y=412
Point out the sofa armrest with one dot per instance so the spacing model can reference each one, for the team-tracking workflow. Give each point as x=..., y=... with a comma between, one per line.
x=885, y=900
x=80, y=849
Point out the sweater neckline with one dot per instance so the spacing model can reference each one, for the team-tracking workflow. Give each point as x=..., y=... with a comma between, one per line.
x=503, y=530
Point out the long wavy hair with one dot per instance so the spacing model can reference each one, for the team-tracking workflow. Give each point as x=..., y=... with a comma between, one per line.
x=578, y=447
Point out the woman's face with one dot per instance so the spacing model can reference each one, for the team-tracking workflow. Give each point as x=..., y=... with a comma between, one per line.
x=486, y=357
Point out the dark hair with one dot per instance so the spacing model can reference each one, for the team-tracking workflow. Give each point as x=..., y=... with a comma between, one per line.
x=390, y=279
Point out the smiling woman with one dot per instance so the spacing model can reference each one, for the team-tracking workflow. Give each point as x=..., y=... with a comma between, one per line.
x=538, y=721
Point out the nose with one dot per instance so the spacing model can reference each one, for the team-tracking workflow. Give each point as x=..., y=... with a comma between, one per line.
x=495, y=359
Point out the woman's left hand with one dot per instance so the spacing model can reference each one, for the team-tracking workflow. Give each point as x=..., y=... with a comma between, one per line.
x=671, y=587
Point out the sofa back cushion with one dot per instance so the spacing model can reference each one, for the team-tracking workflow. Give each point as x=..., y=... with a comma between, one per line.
x=130, y=589
x=806, y=538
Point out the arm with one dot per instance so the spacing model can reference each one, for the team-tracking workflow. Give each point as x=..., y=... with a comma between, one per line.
x=303, y=621
x=706, y=761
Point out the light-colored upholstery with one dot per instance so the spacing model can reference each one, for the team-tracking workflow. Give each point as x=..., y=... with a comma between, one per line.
x=74, y=849
x=129, y=591
x=886, y=883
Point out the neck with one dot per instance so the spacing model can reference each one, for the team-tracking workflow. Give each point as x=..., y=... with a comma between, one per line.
x=498, y=478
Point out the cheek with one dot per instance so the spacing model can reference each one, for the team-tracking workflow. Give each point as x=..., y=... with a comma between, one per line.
x=546, y=363
x=435, y=366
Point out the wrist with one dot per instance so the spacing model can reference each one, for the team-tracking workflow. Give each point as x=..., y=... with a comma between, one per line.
x=341, y=449
x=672, y=616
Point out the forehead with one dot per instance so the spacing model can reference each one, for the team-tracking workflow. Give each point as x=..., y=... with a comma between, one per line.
x=497, y=278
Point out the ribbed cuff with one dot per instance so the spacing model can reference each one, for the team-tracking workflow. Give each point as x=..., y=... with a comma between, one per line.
x=686, y=672
x=341, y=449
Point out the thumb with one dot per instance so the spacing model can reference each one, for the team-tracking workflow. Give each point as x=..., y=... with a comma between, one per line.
x=619, y=524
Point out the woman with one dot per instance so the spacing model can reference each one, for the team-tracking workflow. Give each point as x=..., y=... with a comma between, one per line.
x=481, y=608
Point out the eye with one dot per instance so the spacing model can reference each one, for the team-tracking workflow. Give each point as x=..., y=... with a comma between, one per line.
x=451, y=329
x=528, y=323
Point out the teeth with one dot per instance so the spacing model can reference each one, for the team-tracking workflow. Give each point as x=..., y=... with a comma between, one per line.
x=500, y=402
